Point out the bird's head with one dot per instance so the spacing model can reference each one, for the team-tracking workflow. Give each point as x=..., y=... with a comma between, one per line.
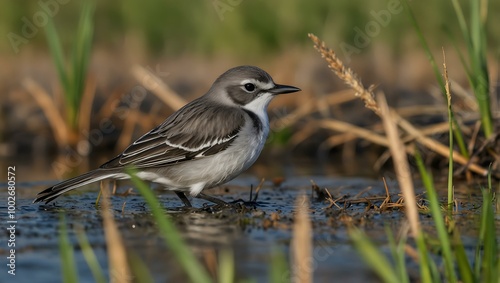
x=249, y=87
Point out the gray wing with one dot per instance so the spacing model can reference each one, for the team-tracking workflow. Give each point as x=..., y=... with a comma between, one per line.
x=197, y=130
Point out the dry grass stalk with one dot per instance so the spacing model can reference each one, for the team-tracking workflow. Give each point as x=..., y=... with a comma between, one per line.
x=302, y=242
x=259, y=186
x=362, y=192
x=123, y=207
x=304, y=133
x=436, y=146
x=438, y=128
x=351, y=79
x=352, y=129
x=475, y=134
x=332, y=201
x=447, y=81
x=468, y=99
x=345, y=74
x=111, y=103
x=339, y=97
x=302, y=111
x=320, y=194
x=387, y=195
x=257, y=190
x=312, y=106
x=85, y=110
x=158, y=87
x=451, y=190
x=49, y=108
x=117, y=255
x=414, y=110
x=210, y=259
x=337, y=140
x=401, y=165
x=128, y=129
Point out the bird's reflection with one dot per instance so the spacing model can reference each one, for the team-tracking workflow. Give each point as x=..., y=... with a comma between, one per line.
x=209, y=229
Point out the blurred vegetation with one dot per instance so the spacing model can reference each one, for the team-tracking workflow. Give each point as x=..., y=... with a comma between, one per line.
x=254, y=30
x=72, y=76
x=238, y=28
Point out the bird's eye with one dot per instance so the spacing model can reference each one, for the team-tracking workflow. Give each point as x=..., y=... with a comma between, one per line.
x=249, y=87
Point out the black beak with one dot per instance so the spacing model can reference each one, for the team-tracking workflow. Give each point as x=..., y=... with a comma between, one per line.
x=279, y=89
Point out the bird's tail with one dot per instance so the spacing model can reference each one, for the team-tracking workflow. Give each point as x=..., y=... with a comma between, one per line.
x=53, y=192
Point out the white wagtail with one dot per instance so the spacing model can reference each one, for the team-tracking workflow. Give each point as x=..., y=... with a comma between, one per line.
x=208, y=142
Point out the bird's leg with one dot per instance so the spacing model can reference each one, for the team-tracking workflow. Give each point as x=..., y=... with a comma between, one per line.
x=211, y=199
x=184, y=199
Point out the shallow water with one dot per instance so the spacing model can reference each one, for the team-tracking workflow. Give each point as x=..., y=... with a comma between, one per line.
x=251, y=231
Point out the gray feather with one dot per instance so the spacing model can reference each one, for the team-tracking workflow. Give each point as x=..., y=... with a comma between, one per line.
x=197, y=130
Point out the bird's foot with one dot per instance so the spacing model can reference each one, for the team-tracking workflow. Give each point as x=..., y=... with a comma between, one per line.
x=212, y=199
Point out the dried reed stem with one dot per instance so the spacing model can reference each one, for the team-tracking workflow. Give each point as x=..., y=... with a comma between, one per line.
x=447, y=81
x=451, y=191
x=84, y=117
x=111, y=103
x=351, y=79
x=117, y=255
x=337, y=140
x=49, y=108
x=358, y=131
x=127, y=133
x=400, y=165
x=158, y=87
x=302, y=243
x=312, y=106
x=413, y=110
x=436, y=146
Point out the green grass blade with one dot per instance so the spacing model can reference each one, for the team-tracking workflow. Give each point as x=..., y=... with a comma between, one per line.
x=481, y=249
x=462, y=59
x=475, y=39
x=480, y=63
x=428, y=270
x=437, y=216
x=373, y=256
x=226, y=266
x=69, y=273
x=423, y=41
x=487, y=238
x=279, y=267
x=171, y=235
x=73, y=79
x=398, y=254
x=464, y=267
x=81, y=56
x=450, y=134
x=58, y=57
x=490, y=184
x=461, y=20
x=90, y=257
x=140, y=270
x=437, y=73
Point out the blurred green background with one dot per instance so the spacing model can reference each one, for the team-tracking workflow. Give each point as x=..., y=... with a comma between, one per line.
x=189, y=43
x=236, y=27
